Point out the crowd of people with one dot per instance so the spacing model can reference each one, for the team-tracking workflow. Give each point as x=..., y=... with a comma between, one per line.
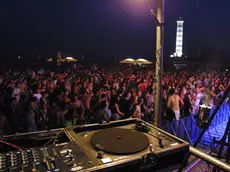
x=41, y=99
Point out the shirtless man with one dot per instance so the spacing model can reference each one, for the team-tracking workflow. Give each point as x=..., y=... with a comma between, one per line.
x=173, y=103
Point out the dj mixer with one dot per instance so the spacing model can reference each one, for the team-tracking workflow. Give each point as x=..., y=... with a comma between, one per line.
x=59, y=157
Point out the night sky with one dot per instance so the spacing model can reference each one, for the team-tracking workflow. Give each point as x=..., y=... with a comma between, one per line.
x=108, y=28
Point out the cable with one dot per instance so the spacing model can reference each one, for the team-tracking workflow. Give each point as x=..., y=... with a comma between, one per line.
x=54, y=139
x=57, y=136
x=158, y=54
x=153, y=14
x=10, y=144
x=65, y=129
x=149, y=7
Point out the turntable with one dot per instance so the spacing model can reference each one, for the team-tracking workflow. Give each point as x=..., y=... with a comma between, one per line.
x=119, y=141
x=130, y=145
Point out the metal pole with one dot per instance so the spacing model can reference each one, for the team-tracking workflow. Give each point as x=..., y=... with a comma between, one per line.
x=207, y=158
x=159, y=61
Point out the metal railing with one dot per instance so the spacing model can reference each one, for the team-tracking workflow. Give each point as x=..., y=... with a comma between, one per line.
x=187, y=129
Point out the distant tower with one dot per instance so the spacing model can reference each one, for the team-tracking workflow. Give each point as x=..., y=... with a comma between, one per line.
x=179, y=39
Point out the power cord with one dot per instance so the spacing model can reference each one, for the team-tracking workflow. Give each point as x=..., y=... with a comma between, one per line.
x=10, y=144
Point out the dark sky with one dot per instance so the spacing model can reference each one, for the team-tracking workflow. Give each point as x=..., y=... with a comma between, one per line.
x=108, y=28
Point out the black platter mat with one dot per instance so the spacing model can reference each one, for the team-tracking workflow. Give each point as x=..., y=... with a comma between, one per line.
x=119, y=141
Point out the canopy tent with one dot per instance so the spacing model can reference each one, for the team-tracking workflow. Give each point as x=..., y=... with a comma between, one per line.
x=63, y=60
x=128, y=61
x=143, y=61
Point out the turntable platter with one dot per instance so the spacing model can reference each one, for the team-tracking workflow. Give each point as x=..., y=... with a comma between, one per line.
x=119, y=141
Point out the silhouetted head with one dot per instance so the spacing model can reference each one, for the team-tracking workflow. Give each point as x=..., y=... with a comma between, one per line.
x=171, y=91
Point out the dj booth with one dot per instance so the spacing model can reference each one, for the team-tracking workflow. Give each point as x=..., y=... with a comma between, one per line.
x=126, y=145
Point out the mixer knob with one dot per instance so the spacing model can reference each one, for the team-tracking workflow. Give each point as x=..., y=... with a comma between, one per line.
x=151, y=148
x=22, y=168
x=160, y=143
x=2, y=166
x=33, y=151
x=52, y=159
x=71, y=158
x=70, y=164
x=35, y=158
x=100, y=154
x=71, y=161
x=3, y=160
x=54, y=152
x=34, y=168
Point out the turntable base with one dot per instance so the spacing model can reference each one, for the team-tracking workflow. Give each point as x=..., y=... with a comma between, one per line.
x=119, y=141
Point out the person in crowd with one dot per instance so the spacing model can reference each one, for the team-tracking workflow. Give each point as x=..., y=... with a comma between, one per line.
x=174, y=102
x=61, y=111
x=43, y=118
x=116, y=112
x=188, y=104
x=14, y=117
x=77, y=109
x=38, y=95
x=104, y=114
x=32, y=115
x=16, y=91
x=126, y=105
x=137, y=113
